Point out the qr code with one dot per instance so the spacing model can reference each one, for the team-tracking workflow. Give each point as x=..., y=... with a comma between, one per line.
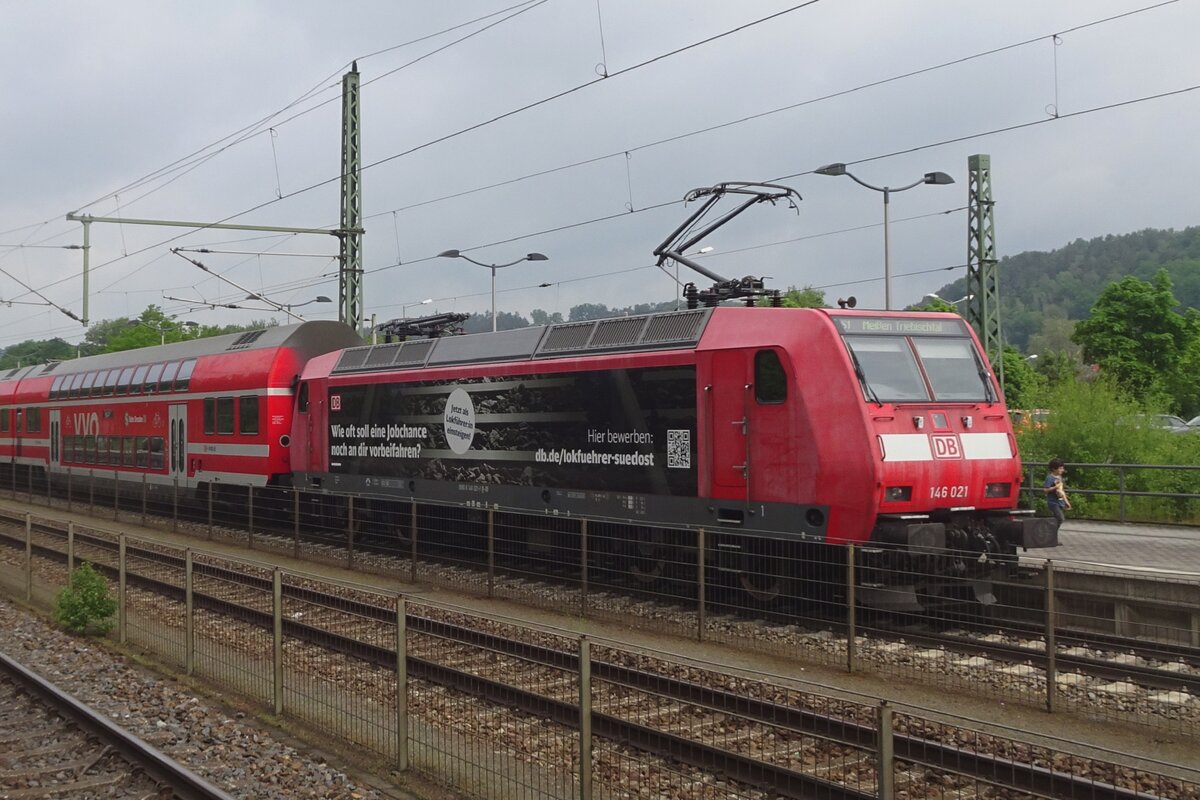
x=679, y=449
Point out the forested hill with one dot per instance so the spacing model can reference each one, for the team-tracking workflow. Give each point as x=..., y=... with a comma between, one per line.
x=1064, y=283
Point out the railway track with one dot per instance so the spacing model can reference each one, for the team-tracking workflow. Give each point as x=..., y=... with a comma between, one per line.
x=51, y=745
x=691, y=719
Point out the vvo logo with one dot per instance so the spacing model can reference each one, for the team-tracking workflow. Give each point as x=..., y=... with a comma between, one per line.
x=87, y=424
x=946, y=445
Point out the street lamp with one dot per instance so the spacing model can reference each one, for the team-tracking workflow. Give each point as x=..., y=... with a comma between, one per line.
x=936, y=178
x=162, y=328
x=935, y=296
x=287, y=307
x=404, y=308
x=493, y=268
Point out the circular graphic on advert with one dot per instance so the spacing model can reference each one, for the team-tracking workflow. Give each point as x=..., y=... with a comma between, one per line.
x=460, y=421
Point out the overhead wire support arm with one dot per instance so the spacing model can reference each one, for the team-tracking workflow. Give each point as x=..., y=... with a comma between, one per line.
x=267, y=300
x=88, y=219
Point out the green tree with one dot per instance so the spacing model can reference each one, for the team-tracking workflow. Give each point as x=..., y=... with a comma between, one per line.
x=1022, y=383
x=36, y=351
x=1135, y=334
x=541, y=317
x=807, y=297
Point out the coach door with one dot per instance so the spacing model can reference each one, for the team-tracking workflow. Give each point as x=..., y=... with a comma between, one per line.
x=55, y=441
x=178, y=450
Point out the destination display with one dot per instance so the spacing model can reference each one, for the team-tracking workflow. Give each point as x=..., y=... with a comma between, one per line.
x=893, y=326
x=608, y=430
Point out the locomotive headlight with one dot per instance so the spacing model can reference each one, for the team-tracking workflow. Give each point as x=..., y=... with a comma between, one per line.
x=897, y=494
x=998, y=490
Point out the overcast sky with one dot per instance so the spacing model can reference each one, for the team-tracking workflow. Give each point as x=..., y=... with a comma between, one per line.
x=231, y=111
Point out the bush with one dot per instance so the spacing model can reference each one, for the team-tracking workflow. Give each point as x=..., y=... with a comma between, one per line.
x=86, y=605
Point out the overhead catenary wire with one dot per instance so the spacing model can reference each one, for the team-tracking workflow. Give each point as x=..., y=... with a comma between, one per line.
x=862, y=160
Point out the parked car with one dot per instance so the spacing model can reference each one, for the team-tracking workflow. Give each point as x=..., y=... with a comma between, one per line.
x=1166, y=422
x=1025, y=419
x=1194, y=422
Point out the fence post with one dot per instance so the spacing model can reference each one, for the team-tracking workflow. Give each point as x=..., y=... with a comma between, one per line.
x=585, y=718
x=116, y=495
x=885, y=768
x=1121, y=489
x=210, y=510
x=175, y=504
x=491, y=550
x=701, y=586
x=29, y=558
x=30, y=476
x=189, y=634
x=349, y=533
x=250, y=517
x=91, y=491
x=144, y=492
x=70, y=548
x=295, y=523
x=70, y=475
x=121, y=581
x=412, y=563
x=401, y=685
x=47, y=487
x=851, y=607
x=1051, y=644
x=583, y=568
x=277, y=649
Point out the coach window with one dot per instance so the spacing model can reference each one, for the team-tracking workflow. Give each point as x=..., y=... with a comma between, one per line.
x=85, y=389
x=302, y=401
x=89, y=447
x=110, y=382
x=156, y=452
x=139, y=377
x=168, y=376
x=127, y=443
x=101, y=377
x=58, y=382
x=770, y=381
x=33, y=420
x=152, y=379
x=143, y=451
x=123, y=381
x=224, y=415
x=101, y=449
x=76, y=380
x=210, y=415
x=3, y=420
x=185, y=375
x=248, y=414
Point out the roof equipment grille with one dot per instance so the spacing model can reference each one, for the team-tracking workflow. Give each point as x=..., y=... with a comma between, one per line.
x=246, y=339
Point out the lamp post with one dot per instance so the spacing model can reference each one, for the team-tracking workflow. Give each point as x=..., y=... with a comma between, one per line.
x=493, y=268
x=935, y=296
x=162, y=328
x=936, y=178
x=404, y=308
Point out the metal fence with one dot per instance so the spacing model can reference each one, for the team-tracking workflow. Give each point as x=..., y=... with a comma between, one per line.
x=1128, y=492
x=498, y=708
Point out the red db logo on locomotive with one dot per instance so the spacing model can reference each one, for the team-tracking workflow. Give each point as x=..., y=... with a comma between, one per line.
x=946, y=445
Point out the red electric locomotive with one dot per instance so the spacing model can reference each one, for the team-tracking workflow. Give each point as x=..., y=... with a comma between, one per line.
x=760, y=424
x=208, y=411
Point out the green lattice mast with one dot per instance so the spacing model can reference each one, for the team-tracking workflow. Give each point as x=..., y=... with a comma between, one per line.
x=983, y=277
x=350, y=273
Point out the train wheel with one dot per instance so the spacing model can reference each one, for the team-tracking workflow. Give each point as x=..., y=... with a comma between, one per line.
x=648, y=556
x=766, y=572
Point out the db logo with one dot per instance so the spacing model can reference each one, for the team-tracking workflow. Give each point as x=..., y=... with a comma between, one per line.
x=335, y=402
x=946, y=445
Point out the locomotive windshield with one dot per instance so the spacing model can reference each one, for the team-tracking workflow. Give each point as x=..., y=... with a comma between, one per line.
x=916, y=360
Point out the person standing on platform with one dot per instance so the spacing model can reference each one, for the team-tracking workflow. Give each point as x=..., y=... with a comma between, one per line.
x=1056, y=495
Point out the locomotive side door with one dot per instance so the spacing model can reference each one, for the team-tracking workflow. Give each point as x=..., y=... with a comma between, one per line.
x=730, y=422
x=178, y=446
x=55, y=440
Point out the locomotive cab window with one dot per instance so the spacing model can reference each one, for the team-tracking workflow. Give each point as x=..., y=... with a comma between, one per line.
x=954, y=371
x=888, y=368
x=770, y=381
